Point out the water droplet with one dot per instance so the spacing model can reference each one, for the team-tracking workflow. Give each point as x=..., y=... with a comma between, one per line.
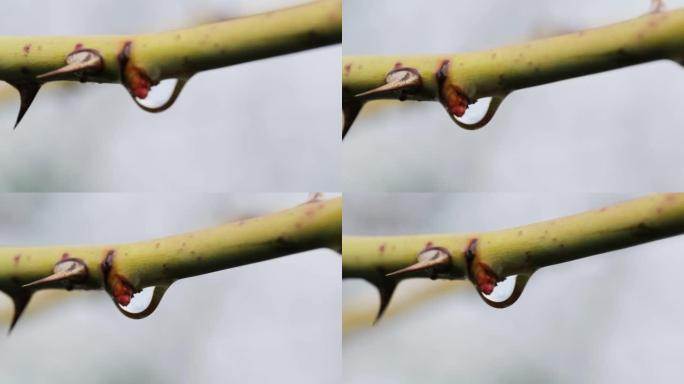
x=144, y=303
x=503, y=290
x=140, y=301
x=507, y=291
x=162, y=96
x=480, y=113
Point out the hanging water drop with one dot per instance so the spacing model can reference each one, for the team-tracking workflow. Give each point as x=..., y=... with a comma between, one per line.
x=485, y=108
x=503, y=290
x=143, y=303
x=162, y=96
x=507, y=291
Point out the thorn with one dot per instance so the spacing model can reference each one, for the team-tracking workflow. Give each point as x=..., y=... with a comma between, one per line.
x=400, y=79
x=436, y=258
x=20, y=299
x=82, y=62
x=386, y=289
x=350, y=110
x=657, y=6
x=68, y=270
x=27, y=93
x=314, y=197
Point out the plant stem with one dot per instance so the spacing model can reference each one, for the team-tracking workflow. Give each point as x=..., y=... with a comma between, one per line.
x=522, y=249
x=183, y=52
x=655, y=36
x=316, y=224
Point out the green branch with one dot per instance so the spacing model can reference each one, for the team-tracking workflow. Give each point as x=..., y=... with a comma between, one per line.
x=125, y=269
x=489, y=257
x=457, y=80
x=141, y=61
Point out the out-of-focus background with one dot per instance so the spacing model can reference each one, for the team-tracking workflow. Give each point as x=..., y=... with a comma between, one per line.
x=612, y=318
x=609, y=132
x=217, y=137
x=271, y=322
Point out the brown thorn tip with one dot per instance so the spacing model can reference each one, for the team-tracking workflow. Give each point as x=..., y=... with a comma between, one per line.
x=20, y=299
x=67, y=270
x=435, y=258
x=82, y=62
x=386, y=290
x=399, y=79
x=27, y=93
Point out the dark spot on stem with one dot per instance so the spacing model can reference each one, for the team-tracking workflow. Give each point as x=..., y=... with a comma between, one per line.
x=27, y=49
x=347, y=69
x=106, y=265
x=16, y=259
x=381, y=248
x=470, y=254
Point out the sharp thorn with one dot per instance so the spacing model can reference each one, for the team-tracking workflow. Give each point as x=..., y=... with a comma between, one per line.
x=81, y=61
x=69, y=270
x=20, y=300
x=397, y=80
x=350, y=110
x=386, y=289
x=27, y=93
x=389, y=87
x=426, y=260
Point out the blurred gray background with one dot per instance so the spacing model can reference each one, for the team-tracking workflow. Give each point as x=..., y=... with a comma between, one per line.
x=270, y=322
x=611, y=132
x=612, y=318
x=283, y=136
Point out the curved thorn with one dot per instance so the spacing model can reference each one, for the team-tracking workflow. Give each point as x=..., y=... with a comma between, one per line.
x=441, y=258
x=520, y=283
x=657, y=6
x=27, y=93
x=386, y=289
x=20, y=299
x=82, y=60
x=157, y=295
x=314, y=197
x=350, y=110
x=180, y=83
x=396, y=80
x=494, y=104
x=69, y=270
